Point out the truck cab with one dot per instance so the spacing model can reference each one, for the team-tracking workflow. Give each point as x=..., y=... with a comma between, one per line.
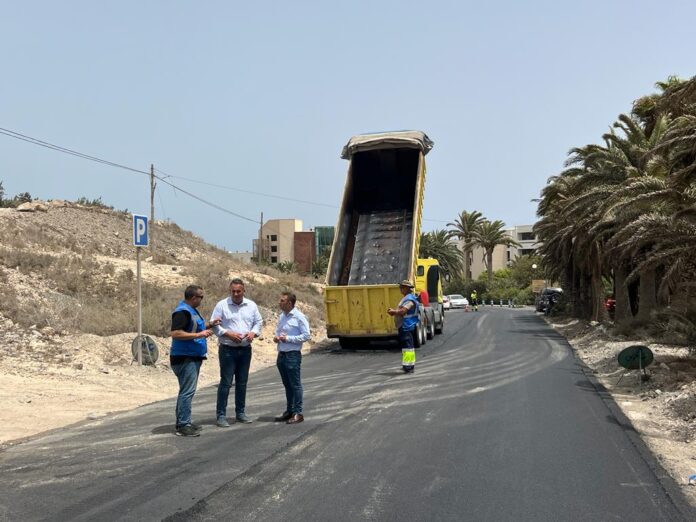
x=429, y=280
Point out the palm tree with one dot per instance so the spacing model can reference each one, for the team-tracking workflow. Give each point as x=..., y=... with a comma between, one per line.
x=464, y=228
x=627, y=210
x=438, y=244
x=488, y=235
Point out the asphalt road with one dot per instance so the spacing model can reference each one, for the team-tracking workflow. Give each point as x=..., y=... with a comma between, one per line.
x=499, y=422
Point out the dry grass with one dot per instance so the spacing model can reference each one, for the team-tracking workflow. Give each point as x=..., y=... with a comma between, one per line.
x=69, y=289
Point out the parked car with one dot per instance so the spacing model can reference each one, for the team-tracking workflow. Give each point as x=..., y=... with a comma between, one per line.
x=458, y=301
x=446, y=302
x=547, y=298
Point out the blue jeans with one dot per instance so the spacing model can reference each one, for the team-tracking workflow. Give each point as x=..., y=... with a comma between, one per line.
x=289, y=365
x=234, y=362
x=187, y=373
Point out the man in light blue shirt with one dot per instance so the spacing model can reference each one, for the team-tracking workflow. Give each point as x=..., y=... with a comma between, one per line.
x=240, y=324
x=291, y=332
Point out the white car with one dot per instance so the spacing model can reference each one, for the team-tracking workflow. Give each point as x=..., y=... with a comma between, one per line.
x=446, y=302
x=458, y=301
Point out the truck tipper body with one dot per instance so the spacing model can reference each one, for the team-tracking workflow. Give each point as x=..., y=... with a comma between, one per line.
x=377, y=234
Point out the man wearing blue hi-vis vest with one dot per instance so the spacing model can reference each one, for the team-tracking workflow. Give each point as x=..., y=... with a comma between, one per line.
x=189, y=347
x=406, y=319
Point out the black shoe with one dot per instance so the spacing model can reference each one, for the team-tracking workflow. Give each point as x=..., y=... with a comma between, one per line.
x=285, y=416
x=298, y=417
x=188, y=431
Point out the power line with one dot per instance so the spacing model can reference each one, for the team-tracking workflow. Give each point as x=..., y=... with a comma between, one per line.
x=237, y=189
x=65, y=150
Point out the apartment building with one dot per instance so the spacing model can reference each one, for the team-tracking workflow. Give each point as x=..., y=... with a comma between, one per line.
x=503, y=255
x=284, y=240
x=277, y=240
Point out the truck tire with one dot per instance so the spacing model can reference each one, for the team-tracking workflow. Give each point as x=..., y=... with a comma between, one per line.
x=439, y=328
x=430, y=333
x=417, y=336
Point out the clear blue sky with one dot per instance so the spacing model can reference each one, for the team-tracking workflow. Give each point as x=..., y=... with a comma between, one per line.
x=262, y=96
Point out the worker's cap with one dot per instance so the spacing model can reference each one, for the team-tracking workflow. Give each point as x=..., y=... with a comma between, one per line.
x=407, y=283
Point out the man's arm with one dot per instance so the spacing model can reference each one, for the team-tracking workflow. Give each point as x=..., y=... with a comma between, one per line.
x=401, y=310
x=257, y=323
x=305, y=334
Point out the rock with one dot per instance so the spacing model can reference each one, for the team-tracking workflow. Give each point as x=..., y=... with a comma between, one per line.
x=116, y=234
x=148, y=259
x=94, y=416
x=78, y=366
x=593, y=323
x=47, y=330
x=33, y=206
x=658, y=392
x=174, y=268
x=104, y=370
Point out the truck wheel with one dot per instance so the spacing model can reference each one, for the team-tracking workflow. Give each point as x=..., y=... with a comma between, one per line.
x=417, y=337
x=431, y=329
x=438, y=328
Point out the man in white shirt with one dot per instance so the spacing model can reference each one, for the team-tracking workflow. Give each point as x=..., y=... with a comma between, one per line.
x=291, y=332
x=240, y=324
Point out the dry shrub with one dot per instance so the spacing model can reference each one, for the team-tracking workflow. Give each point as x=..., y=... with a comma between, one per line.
x=25, y=261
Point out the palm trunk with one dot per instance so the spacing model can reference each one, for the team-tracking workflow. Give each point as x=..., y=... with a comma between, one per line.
x=647, y=296
x=622, y=310
x=467, y=263
x=599, y=313
x=489, y=262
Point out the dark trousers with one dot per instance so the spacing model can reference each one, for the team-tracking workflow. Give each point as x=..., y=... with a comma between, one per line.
x=289, y=365
x=405, y=338
x=234, y=363
x=187, y=374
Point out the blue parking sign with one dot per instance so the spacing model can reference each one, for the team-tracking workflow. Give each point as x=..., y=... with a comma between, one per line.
x=140, y=236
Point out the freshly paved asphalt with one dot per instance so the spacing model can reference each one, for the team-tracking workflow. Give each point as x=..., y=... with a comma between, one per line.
x=499, y=422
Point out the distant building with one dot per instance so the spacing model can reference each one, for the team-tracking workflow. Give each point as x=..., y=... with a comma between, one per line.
x=284, y=240
x=277, y=240
x=504, y=255
x=324, y=239
x=305, y=251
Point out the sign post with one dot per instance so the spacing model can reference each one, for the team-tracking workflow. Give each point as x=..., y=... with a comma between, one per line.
x=140, y=240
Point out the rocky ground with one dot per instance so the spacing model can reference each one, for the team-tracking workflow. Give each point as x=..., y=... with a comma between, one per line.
x=661, y=409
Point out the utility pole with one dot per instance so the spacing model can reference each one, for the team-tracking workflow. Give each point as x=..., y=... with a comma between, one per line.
x=260, y=245
x=152, y=208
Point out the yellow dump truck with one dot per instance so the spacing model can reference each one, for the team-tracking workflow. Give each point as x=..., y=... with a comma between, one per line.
x=377, y=236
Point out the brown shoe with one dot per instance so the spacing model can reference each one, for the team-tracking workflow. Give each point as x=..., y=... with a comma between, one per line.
x=285, y=416
x=298, y=417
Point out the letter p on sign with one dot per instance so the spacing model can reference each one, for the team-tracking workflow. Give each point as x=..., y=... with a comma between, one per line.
x=140, y=238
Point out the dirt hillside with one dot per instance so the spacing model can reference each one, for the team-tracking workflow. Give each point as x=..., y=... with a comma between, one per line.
x=68, y=315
